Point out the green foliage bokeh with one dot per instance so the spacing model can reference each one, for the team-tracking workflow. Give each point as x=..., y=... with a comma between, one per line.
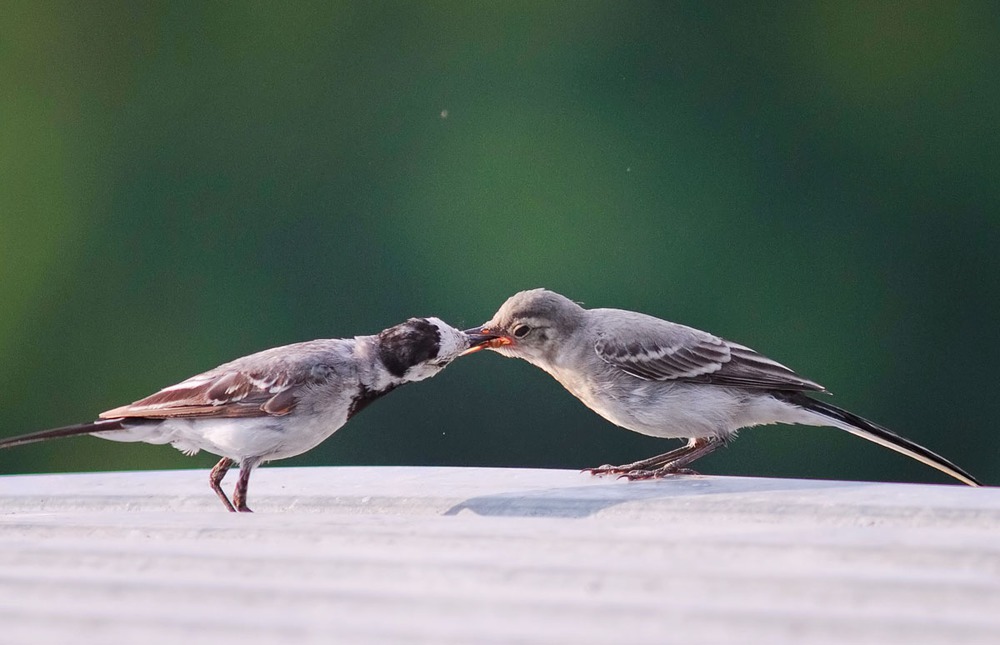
x=186, y=182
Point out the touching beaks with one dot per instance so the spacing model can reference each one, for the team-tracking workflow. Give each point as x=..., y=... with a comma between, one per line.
x=481, y=338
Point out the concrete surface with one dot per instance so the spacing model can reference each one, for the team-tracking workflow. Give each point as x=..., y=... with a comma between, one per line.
x=465, y=555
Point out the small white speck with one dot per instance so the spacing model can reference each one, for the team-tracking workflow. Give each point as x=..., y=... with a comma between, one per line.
x=628, y=169
x=444, y=114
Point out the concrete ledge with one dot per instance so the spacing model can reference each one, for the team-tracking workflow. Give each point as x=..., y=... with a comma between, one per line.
x=436, y=555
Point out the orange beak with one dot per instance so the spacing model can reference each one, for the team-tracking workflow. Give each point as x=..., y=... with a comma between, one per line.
x=482, y=338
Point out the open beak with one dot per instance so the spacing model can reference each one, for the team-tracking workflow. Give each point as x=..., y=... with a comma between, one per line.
x=481, y=338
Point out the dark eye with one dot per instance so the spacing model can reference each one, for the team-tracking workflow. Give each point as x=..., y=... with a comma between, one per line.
x=521, y=331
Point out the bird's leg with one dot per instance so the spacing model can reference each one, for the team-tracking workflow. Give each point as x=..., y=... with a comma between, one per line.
x=644, y=464
x=240, y=494
x=215, y=480
x=696, y=449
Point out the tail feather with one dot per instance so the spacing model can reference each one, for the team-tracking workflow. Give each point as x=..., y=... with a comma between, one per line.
x=873, y=432
x=66, y=431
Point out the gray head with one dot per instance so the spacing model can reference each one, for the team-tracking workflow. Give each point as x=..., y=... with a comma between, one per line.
x=421, y=347
x=532, y=325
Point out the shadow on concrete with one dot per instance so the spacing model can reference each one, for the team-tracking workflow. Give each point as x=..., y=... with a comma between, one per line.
x=584, y=501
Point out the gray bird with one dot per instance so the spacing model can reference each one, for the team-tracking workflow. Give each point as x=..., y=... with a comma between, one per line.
x=276, y=403
x=662, y=379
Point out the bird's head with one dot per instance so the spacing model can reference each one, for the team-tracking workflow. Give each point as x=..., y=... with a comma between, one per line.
x=421, y=347
x=530, y=325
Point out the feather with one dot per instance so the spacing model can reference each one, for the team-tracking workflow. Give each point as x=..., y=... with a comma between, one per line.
x=671, y=352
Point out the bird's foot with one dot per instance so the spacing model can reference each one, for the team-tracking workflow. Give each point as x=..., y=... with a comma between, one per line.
x=658, y=473
x=240, y=503
x=607, y=469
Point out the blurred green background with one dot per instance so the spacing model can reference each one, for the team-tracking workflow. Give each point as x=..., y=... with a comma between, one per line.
x=182, y=183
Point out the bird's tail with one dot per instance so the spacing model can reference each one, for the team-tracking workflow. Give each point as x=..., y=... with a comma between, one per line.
x=840, y=418
x=100, y=425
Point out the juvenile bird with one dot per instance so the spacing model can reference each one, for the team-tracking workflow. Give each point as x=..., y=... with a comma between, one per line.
x=276, y=403
x=663, y=379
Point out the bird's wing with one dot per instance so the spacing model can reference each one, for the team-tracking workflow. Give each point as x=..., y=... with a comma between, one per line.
x=656, y=350
x=265, y=384
x=223, y=394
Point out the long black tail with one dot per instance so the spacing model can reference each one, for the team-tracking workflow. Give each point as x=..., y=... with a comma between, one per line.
x=840, y=418
x=67, y=431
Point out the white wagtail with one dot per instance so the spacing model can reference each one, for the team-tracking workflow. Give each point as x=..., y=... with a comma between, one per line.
x=276, y=403
x=662, y=379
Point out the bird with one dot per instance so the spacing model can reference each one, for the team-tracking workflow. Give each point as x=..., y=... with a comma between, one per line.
x=664, y=379
x=276, y=403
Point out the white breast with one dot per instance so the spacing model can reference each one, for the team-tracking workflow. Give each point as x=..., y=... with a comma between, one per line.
x=237, y=438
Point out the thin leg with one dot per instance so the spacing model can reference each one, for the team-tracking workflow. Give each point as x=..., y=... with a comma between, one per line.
x=215, y=480
x=669, y=463
x=240, y=494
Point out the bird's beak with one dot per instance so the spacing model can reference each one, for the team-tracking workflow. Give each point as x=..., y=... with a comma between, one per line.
x=483, y=337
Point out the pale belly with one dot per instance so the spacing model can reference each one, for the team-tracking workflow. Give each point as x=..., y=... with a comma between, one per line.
x=267, y=438
x=678, y=410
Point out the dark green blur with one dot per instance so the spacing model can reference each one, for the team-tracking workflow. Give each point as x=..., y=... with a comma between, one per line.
x=184, y=183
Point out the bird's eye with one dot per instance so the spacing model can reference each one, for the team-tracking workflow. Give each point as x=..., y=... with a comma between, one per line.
x=521, y=331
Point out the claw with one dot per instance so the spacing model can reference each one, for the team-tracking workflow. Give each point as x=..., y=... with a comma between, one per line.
x=606, y=469
x=659, y=473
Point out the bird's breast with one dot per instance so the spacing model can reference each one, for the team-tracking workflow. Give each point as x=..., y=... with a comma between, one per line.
x=654, y=408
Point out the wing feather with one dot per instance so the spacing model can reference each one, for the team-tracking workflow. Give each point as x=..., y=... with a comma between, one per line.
x=226, y=394
x=264, y=384
x=662, y=351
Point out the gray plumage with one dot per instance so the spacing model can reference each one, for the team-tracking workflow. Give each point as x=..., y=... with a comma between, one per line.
x=277, y=403
x=663, y=379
